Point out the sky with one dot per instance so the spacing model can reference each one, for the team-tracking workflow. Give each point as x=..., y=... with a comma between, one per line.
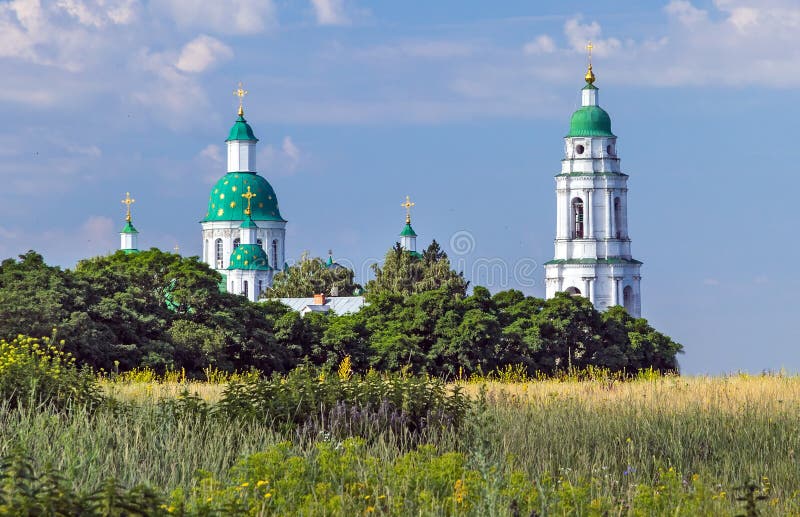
x=460, y=104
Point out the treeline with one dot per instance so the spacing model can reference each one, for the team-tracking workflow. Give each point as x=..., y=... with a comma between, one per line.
x=164, y=311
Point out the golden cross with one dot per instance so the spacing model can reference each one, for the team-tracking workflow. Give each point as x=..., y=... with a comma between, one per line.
x=589, y=48
x=128, y=201
x=240, y=92
x=407, y=205
x=248, y=195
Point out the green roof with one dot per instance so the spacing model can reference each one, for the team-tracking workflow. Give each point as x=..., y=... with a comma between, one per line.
x=241, y=130
x=590, y=121
x=226, y=203
x=128, y=251
x=248, y=223
x=408, y=231
x=249, y=256
x=610, y=260
x=129, y=228
x=590, y=86
x=415, y=254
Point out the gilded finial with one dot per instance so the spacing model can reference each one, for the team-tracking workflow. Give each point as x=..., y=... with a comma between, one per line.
x=407, y=205
x=240, y=92
x=248, y=195
x=128, y=201
x=589, y=73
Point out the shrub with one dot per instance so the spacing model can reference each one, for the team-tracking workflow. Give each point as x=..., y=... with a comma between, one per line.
x=35, y=371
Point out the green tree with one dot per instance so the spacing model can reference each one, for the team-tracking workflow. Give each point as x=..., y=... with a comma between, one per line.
x=312, y=276
x=407, y=273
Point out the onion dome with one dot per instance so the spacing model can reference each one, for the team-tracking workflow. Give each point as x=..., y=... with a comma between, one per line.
x=226, y=204
x=249, y=257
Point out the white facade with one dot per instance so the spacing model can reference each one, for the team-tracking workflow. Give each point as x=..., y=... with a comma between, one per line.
x=129, y=240
x=220, y=238
x=247, y=282
x=592, y=246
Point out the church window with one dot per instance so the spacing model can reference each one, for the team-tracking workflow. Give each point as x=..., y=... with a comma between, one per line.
x=573, y=291
x=244, y=288
x=579, y=149
x=275, y=253
x=260, y=243
x=260, y=288
x=218, y=253
x=617, y=217
x=236, y=242
x=610, y=149
x=627, y=298
x=577, y=218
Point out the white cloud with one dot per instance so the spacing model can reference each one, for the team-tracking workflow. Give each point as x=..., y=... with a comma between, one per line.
x=330, y=12
x=99, y=13
x=578, y=34
x=543, y=44
x=224, y=17
x=201, y=53
x=685, y=12
x=283, y=161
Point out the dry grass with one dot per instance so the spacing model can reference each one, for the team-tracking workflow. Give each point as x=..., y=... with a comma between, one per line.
x=141, y=391
x=730, y=394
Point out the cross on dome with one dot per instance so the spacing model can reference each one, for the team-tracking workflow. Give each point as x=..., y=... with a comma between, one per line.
x=407, y=205
x=248, y=195
x=589, y=73
x=240, y=92
x=128, y=201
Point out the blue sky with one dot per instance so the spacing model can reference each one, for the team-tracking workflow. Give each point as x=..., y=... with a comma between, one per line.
x=460, y=104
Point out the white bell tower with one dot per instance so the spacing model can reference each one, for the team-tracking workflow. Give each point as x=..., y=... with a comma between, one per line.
x=592, y=247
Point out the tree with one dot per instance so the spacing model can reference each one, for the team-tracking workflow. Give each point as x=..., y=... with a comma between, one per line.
x=407, y=273
x=312, y=276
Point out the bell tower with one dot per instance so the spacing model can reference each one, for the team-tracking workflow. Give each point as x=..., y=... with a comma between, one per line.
x=592, y=247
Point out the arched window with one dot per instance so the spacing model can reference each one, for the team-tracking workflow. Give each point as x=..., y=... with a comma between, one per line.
x=260, y=243
x=218, y=253
x=573, y=291
x=577, y=218
x=627, y=298
x=617, y=217
x=260, y=288
x=236, y=242
x=275, y=253
x=244, y=288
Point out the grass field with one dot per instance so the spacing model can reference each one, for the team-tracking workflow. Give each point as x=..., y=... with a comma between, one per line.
x=598, y=446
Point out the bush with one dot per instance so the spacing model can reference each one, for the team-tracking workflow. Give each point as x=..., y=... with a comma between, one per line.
x=310, y=400
x=35, y=371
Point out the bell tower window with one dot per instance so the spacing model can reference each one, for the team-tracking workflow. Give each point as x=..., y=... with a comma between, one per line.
x=617, y=218
x=577, y=218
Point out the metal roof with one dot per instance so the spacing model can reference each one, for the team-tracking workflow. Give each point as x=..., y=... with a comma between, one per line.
x=337, y=304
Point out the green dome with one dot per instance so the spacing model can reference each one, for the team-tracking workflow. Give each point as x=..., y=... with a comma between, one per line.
x=590, y=121
x=241, y=130
x=129, y=228
x=249, y=256
x=408, y=231
x=227, y=204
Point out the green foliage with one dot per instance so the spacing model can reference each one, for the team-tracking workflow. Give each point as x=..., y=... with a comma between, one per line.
x=406, y=273
x=312, y=276
x=312, y=400
x=34, y=371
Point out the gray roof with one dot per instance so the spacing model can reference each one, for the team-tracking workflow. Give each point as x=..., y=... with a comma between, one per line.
x=337, y=304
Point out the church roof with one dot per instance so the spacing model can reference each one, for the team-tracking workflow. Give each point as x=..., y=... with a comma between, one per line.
x=249, y=257
x=590, y=121
x=129, y=228
x=408, y=231
x=337, y=304
x=241, y=130
x=225, y=202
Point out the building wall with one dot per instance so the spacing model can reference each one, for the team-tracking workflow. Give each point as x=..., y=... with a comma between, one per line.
x=228, y=231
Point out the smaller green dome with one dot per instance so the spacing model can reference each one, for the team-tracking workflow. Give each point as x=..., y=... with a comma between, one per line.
x=250, y=257
x=241, y=130
x=408, y=231
x=590, y=121
x=129, y=228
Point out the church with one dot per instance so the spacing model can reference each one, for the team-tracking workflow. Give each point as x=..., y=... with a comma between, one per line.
x=243, y=231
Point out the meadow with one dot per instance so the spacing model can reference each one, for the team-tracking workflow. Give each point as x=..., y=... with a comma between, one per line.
x=328, y=442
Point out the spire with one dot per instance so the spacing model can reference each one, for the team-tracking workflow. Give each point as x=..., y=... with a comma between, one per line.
x=240, y=92
x=589, y=73
x=129, y=235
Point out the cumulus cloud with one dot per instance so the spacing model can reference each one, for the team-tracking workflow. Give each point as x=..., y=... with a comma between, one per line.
x=201, y=53
x=228, y=17
x=543, y=44
x=283, y=161
x=330, y=12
